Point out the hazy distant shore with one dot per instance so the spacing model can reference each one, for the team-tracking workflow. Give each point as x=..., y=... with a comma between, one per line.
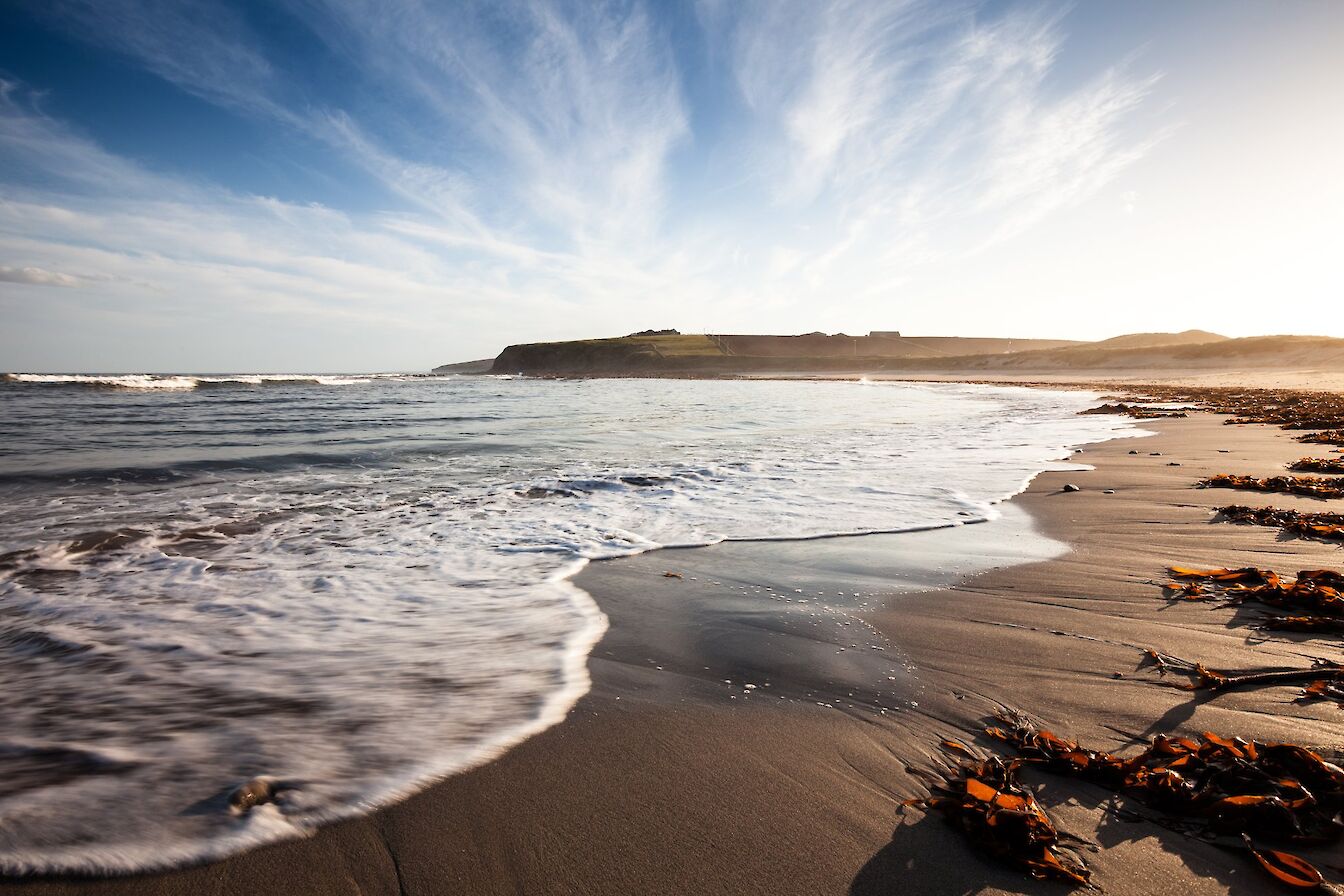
x=1190, y=356
x=1288, y=378
x=672, y=775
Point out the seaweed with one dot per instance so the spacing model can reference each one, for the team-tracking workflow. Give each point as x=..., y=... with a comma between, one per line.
x=1327, y=437
x=1319, y=465
x=1324, y=690
x=1325, y=526
x=1238, y=787
x=1232, y=792
x=1206, y=679
x=1133, y=410
x=1314, y=593
x=1311, y=486
x=984, y=798
x=1287, y=408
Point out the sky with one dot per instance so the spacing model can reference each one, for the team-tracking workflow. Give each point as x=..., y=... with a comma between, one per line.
x=361, y=185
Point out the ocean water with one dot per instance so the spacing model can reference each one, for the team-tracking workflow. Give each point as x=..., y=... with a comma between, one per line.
x=355, y=585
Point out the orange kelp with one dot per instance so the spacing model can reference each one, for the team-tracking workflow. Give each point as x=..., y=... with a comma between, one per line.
x=1324, y=690
x=1288, y=408
x=1328, y=437
x=1315, y=592
x=1312, y=486
x=985, y=799
x=1328, y=526
x=1133, y=410
x=1319, y=465
x=1278, y=791
x=1206, y=679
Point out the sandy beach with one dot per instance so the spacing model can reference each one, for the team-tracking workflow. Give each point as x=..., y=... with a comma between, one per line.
x=746, y=734
x=754, y=448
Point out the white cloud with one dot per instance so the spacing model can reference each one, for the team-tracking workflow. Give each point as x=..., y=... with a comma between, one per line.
x=36, y=277
x=531, y=148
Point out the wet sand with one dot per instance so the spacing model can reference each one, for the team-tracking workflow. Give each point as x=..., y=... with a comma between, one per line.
x=1324, y=378
x=672, y=775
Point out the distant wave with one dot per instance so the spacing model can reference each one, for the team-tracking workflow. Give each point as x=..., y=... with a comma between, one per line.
x=183, y=382
x=131, y=381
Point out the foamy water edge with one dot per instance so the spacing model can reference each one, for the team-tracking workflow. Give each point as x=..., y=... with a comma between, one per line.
x=266, y=825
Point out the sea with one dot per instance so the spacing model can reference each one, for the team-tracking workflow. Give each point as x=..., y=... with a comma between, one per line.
x=352, y=586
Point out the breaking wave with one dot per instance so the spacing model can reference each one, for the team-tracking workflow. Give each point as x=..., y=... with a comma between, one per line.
x=183, y=382
x=353, y=592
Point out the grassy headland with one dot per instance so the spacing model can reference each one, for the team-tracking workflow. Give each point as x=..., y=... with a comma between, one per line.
x=1194, y=352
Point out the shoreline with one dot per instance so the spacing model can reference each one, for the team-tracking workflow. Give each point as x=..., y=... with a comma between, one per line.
x=650, y=781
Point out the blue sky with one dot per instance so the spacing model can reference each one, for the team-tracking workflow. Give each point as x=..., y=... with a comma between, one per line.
x=355, y=185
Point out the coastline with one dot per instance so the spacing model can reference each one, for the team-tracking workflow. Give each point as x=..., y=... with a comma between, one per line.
x=682, y=779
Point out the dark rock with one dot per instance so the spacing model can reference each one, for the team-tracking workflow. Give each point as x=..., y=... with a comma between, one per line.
x=646, y=481
x=256, y=792
x=1109, y=491
x=1071, y=488
x=538, y=492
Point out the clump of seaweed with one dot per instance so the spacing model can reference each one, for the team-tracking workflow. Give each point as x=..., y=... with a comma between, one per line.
x=1313, y=602
x=1326, y=526
x=1311, y=486
x=1288, y=421
x=1288, y=408
x=1319, y=465
x=1133, y=410
x=1231, y=787
x=1327, y=437
x=985, y=800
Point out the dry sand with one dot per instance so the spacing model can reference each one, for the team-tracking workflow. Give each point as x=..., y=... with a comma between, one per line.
x=680, y=779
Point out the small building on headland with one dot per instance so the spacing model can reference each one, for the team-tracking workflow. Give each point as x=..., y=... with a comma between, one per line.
x=885, y=334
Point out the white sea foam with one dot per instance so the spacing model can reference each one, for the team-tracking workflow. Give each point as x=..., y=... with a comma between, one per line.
x=359, y=624
x=128, y=381
x=180, y=382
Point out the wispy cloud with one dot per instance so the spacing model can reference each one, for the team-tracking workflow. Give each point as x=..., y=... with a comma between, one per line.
x=558, y=122
x=36, y=277
x=536, y=155
x=921, y=131
x=201, y=46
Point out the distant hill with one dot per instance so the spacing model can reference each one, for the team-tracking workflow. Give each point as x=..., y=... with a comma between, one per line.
x=1262, y=352
x=819, y=345
x=952, y=346
x=481, y=366
x=1154, y=340
x=621, y=354
x=668, y=353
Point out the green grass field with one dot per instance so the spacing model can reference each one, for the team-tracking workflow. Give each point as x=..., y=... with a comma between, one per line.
x=668, y=346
